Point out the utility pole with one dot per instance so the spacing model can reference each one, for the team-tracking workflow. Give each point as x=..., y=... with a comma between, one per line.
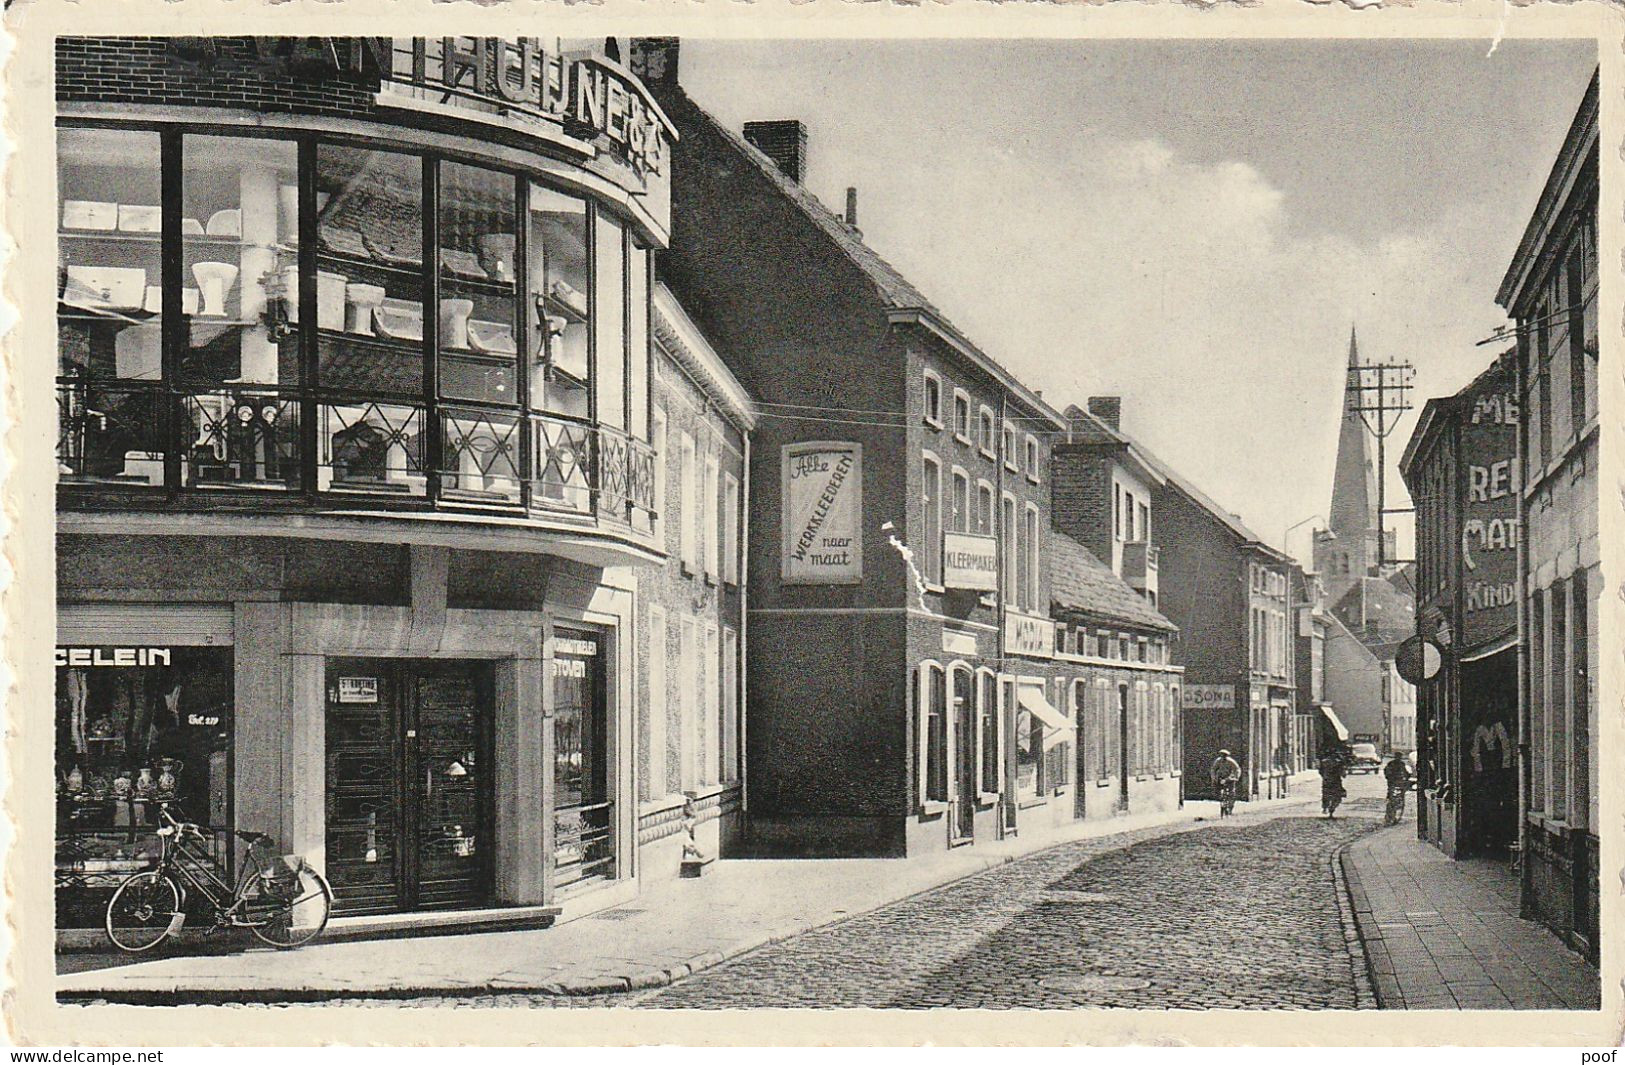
x=1380, y=392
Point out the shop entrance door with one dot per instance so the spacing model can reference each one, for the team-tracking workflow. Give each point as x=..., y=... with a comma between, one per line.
x=965, y=783
x=583, y=813
x=409, y=796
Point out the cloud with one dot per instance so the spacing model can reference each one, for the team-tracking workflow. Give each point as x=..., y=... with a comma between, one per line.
x=1196, y=290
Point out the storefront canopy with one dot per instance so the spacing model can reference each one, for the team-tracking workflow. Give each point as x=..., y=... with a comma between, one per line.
x=1342, y=729
x=1057, y=729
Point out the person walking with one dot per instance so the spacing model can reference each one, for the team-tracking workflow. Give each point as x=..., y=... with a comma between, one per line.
x=1398, y=775
x=1225, y=773
x=1333, y=765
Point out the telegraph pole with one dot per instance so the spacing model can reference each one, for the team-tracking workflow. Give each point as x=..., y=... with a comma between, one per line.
x=1380, y=392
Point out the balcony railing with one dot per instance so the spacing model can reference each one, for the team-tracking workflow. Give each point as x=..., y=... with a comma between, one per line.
x=214, y=440
x=1139, y=559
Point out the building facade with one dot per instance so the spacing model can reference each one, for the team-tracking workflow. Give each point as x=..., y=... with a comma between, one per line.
x=1461, y=467
x=1118, y=684
x=1550, y=290
x=898, y=579
x=692, y=658
x=355, y=460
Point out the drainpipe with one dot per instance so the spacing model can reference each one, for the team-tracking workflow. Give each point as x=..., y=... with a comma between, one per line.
x=742, y=686
x=1524, y=680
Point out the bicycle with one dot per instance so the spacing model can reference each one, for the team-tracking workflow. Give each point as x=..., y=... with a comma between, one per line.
x=1227, y=798
x=280, y=899
x=1396, y=804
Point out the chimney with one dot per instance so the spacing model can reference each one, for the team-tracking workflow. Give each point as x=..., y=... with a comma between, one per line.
x=784, y=142
x=654, y=59
x=1108, y=409
x=852, y=206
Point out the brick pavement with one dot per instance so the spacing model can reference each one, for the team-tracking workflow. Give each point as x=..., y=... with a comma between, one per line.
x=1442, y=934
x=675, y=929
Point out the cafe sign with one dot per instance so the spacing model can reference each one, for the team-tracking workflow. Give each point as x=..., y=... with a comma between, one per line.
x=1208, y=697
x=822, y=485
x=1489, y=523
x=970, y=562
x=1028, y=636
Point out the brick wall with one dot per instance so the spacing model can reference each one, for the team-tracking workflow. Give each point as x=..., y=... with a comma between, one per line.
x=1081, y=487
x=138, y=70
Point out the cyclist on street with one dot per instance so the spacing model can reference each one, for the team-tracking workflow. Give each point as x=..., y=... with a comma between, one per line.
x=1398, y=775
x=1225, y=774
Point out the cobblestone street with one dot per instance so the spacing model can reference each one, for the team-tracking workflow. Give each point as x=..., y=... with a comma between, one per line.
x=1242, y=916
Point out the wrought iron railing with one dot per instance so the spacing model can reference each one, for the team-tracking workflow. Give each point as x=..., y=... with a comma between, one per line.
x=249, y=437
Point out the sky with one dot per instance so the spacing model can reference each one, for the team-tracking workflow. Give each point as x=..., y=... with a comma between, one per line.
x=1194, y=226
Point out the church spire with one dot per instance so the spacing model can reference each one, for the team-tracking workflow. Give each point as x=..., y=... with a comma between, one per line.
x=1351, y=552
x=1354, y=348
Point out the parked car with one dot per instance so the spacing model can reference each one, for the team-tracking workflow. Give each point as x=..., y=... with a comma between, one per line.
x=1365, y=759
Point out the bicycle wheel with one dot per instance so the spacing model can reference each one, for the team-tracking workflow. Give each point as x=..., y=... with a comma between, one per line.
x=291, y=911
x=143, y=912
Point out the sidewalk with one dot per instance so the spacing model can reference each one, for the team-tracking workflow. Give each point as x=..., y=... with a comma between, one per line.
x=1442, y=934
x=676, y=928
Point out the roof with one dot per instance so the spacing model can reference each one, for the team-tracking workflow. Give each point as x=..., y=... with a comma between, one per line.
x=1228, y=519
x=1391, y=612
x=681, y=339
x=1087, y=429
x=1081, y=583
x=894, y=290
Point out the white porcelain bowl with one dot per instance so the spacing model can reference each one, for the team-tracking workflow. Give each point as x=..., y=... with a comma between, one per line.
x=400, y=320
x=491, y=338
x=227, y=223
x=215, y=281
x=139, y=218
x=121, y=288
x=363, y=300
x=89, y=214
x=454, y=322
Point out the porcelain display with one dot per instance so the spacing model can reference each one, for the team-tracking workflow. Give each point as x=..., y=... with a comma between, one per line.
x=496, y=255
x=168, y=767
x=122, y=288
x=76, y=779
x=461, y=263
x=491, y=338
x=400, y=319
x=227, y=223
x=330, y=290
x=138, y=218
x=566, y=294
x=144, y=784
x=138, y=353
x=122, y=784
x=364, y=301
x=191, y=227
x=215, y=279
x=89, y=214
x=454, y=322
x=288, y=213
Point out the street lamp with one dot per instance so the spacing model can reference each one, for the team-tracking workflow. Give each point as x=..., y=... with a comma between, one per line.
x=1286, y=543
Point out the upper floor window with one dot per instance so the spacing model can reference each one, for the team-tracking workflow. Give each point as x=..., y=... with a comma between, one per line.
x=507, y=365
x=962, y=518
x=1032, y=555
x=1032, y=459
x=984, y=508
x=1142, y=525
x=1012, y=459
x=931, y=512
x=933, y=398
x=962, y=426
x=988, y=435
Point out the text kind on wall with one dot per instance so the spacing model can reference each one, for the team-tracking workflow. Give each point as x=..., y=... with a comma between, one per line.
x=570, y=89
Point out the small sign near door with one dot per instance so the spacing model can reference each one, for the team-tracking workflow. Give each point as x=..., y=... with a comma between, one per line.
x=358, y=689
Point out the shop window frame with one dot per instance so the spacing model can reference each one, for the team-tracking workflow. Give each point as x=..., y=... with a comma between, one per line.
x=309, y=397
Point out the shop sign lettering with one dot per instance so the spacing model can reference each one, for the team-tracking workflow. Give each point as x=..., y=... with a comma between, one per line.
x=574, y=668
x=823, y=513
x=1489, y=522
x=358, y=690
x=578, y=90
x=970, y=562
x=112, y=656
x=565, y=645
x=1028, y=636
x=203, y=719
x=1208, y=697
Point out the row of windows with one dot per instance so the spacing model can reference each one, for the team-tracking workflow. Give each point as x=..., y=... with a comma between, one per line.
x=1020, y=532
x=1559, y=348
x=1102, y=643
x=1131, y=516
x=701, y=700
x=1266, y=581
x=707, y=507
x=1561, y=647
x=1020, y=452
x=1123, y=727
x=446, y=326
x=1270, y=646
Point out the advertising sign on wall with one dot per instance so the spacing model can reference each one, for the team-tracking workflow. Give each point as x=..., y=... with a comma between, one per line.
x=970, y=562
x=1489, y=522
x=1208, y=697
x=823, y=513
x=1028, y=636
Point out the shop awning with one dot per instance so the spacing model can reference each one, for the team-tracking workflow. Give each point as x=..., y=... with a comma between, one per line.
x=1342, y=729
x=1057, y=729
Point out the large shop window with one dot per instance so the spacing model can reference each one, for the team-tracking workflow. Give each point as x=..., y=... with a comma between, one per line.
x=136, y=726
x=584, y=813
x=931, y=704
x=277, y=322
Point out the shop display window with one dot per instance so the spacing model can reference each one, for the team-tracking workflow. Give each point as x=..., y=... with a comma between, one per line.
x=109, y=314
x=484, y=397
x=1029, y=753
x=136, y=726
